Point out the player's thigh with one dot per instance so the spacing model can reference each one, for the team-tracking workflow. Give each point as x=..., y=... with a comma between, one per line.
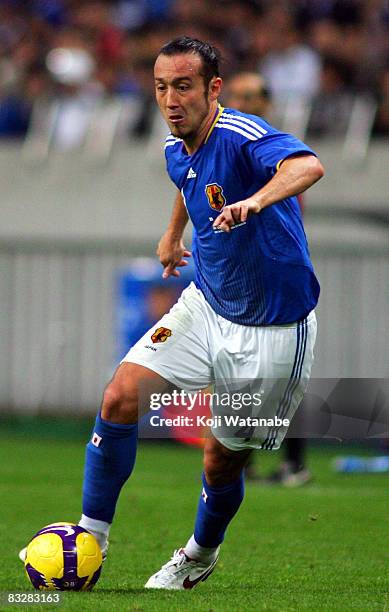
x=177, y=346
x=275, y=379
x=289, y=380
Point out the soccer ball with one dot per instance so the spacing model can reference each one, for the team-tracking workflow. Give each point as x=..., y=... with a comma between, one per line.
x=64, y=557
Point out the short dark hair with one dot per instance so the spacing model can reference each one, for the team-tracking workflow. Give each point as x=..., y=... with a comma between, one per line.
x=210, y=55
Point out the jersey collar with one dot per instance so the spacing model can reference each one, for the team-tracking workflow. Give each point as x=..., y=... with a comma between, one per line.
x=220, y=109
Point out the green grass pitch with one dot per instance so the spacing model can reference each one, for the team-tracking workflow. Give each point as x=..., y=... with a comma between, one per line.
x=321, y=547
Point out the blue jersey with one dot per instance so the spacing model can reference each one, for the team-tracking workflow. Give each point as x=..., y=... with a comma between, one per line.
x=260, y=273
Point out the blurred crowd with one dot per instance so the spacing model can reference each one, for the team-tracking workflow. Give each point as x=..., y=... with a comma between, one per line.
x=321, y=51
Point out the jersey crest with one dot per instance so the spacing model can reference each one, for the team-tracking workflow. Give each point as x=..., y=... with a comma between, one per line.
x=215, y=196
x=161, y=334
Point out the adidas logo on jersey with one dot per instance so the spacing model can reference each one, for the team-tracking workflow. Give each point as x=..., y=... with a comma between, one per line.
x=191, y=173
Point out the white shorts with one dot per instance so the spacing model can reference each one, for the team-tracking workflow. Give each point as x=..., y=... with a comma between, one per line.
x=193, y=347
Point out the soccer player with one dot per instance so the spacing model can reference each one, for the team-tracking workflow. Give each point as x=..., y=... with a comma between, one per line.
x=249, y=314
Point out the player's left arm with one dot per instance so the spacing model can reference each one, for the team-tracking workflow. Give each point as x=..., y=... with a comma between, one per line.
x=295, y=175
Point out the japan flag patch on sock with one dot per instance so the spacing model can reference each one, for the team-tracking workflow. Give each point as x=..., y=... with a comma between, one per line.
x=96, y=439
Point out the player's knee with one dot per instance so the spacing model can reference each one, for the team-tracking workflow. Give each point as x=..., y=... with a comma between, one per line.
x=213, y=474
x=119, y=405
x=217, y=468
x=221, y=466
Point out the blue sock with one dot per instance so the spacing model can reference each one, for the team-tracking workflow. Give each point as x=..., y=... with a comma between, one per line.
x=217, y=507
x=110, y=458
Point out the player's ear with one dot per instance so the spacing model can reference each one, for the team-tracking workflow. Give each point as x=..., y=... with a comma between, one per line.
x=214, y=88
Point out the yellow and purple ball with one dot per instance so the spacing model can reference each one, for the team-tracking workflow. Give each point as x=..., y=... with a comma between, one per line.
x=64, y=557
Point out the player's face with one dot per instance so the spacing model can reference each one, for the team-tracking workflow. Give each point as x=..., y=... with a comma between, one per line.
x=185, y=102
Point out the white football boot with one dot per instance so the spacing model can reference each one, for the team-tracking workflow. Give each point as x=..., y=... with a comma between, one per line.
x=181, y=572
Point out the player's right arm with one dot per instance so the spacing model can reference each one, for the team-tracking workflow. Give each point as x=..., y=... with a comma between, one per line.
x=171, y=249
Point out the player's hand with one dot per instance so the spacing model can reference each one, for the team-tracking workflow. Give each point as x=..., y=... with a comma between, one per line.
x=236, y=213
x=171, y=252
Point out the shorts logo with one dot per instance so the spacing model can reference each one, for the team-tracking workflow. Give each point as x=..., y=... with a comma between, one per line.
x=161, y=334
x=215, y=196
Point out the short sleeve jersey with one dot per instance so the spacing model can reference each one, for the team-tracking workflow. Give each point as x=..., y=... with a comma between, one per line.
x=260, y=273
